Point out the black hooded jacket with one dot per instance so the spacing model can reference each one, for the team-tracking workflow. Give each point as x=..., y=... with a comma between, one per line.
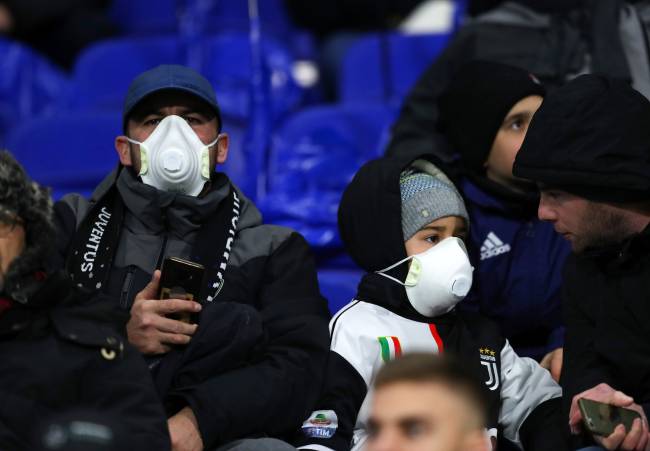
x=61, y=352
x=380, y=324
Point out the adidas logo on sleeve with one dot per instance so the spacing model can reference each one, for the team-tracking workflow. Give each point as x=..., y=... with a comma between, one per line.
x=493, y=246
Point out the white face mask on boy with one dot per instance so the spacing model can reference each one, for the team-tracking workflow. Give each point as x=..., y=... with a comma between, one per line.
x=438, y=278
x=173, y=158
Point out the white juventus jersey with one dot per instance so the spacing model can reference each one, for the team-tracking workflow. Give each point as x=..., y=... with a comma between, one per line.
x=366, y=335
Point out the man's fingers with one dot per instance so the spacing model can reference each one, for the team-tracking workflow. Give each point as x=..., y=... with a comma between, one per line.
x=174, y=326
x=575, y=416
x=150, y=291
x=643, y=441
x=167, y=306
x=621, y=399
x=174, y=339
x=614, y=440
x=632, y=438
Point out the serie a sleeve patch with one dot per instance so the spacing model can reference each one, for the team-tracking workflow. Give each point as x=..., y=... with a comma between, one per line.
x=321, y=424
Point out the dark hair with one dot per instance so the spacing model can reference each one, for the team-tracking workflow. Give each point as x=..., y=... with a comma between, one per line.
x=445, y=370
x=32, y=204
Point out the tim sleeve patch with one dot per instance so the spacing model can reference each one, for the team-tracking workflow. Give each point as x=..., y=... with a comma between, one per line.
x=321, y=424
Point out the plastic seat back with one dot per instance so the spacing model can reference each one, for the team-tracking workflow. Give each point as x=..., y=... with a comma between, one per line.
x=70, y=152
x=382, y=68
x=313, y=158
x=104, y=71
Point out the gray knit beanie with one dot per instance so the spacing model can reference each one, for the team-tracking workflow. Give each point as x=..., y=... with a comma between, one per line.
x=426, y=197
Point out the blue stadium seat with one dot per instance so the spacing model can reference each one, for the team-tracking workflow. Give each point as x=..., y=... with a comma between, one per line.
x=229, y=15
x=312, y=159
x=338, y=286
x=236, y=165
x=70, y=153
x=142, y=17
x=382, y=68
x=104, y=70
x=29, y=85
x=227, y=64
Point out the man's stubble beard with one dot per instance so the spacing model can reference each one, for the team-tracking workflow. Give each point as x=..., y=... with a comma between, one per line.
x=601, y=227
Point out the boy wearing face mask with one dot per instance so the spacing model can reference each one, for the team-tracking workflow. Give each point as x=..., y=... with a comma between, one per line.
x=404, y=222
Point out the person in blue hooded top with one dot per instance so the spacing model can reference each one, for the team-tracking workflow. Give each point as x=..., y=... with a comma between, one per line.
x=484, y=113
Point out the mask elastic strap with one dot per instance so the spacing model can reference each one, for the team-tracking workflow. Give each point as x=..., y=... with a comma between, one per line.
x=381, y=272
x=132, y=141
x=216, y=140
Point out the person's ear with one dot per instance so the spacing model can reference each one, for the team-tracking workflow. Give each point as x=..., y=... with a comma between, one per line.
x=123, y=150
x=222, y=148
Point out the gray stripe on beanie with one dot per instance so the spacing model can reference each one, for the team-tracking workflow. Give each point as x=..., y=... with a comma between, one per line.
x=426, y=198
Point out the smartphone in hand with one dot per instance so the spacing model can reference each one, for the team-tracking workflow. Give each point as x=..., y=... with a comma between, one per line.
x=181, y=279
x=601, y=419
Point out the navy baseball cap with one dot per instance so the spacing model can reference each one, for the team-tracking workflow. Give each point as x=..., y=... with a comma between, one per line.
x=170, y=76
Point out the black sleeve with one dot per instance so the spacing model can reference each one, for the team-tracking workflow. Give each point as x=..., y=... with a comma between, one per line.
x=272, y=396
x=122, y=388
x=543, y=429
x=415, y=132
x=582, y=368
x=332, y=424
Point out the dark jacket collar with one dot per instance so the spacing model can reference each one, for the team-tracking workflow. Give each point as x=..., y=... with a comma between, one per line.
x=158, y=210
x=619, y=255
x=481, y=191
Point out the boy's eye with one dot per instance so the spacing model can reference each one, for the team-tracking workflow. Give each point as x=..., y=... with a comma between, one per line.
x=517, y=124
x=433, y=239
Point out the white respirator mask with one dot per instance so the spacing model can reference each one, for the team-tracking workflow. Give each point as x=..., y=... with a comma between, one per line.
x=173, y=158
x=438, y=278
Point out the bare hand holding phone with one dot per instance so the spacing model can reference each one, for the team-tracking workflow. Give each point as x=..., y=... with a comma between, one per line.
x=149, y=329
x=629, y=427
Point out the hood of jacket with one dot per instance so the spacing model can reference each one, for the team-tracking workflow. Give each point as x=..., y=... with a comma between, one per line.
x=591, y=138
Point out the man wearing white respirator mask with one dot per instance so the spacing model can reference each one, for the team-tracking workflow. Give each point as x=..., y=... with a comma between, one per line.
x=404, y=222
x=259, y=323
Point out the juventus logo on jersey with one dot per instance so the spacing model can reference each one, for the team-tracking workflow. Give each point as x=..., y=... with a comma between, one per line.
x=489, y=361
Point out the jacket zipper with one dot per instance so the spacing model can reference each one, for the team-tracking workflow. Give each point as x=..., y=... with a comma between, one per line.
x=126, y=288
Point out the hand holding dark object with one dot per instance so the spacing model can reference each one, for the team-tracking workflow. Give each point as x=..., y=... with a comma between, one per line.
x=637, y=438
x=149, y=329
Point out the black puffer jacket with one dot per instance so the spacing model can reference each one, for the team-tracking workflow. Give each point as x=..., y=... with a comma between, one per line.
x=61, y=352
